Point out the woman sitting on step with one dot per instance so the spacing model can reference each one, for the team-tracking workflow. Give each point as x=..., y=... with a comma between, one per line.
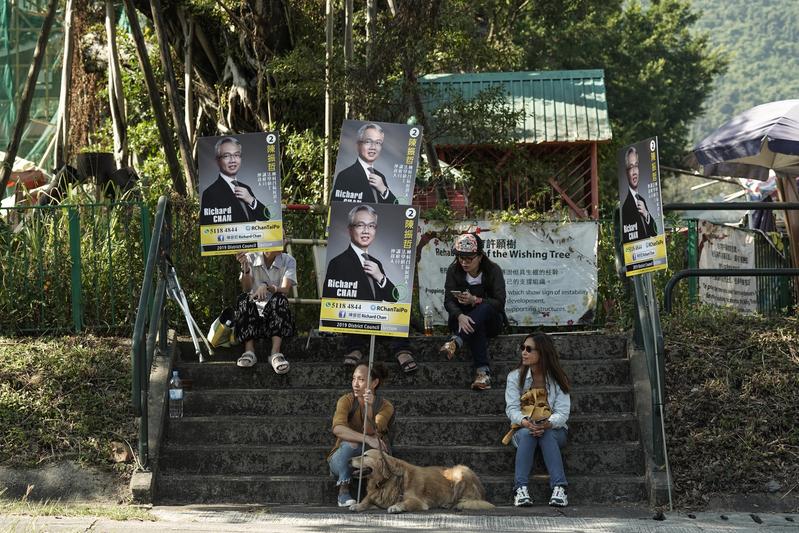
x=474, y=297
x=348, y=426
x=262, y=309
x=537, y=403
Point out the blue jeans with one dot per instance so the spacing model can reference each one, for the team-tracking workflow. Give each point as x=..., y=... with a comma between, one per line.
x=340, y=461
x=487, y=323
x=550, y=443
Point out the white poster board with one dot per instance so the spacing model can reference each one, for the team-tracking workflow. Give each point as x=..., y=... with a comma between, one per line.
x=550, y=269
x=727, y=247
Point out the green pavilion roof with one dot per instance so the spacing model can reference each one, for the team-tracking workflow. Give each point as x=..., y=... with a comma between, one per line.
x=559, y=106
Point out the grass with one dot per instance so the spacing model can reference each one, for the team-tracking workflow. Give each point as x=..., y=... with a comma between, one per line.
x=732, y=386
x=56, y=508
x=64, y=398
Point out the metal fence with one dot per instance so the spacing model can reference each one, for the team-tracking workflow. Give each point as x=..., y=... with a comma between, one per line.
x=80, y=267
x=71, y=267
x=774, y=294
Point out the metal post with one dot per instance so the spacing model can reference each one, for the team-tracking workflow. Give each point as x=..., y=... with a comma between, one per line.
x=74, y=252
x=693, y=259
x=366, y=411
x=659, y=363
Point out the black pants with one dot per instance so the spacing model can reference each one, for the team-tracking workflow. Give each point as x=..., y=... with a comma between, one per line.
x=277, y=320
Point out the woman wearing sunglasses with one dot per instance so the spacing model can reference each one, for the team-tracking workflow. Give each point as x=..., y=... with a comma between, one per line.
x=537, y=403
x=474, y=297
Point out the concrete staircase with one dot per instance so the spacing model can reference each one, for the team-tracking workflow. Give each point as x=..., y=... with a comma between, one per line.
x=250, y=436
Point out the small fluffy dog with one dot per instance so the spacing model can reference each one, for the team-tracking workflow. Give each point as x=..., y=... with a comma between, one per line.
x=399, y=486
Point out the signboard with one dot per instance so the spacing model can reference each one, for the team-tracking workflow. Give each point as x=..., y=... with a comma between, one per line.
x=726, y=247
x=368, y=285
x=550, y=269
x=643, y=237
x=240, y=193
x=376, y=163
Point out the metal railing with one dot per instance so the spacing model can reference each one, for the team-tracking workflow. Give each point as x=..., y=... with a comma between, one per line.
x=150, y=316
x=71, y=267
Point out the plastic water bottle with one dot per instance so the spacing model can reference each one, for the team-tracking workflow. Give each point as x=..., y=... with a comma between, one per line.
x=428, y=321
x=175, y=396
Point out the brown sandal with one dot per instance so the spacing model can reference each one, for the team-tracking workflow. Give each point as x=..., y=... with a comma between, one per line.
x=406, y=361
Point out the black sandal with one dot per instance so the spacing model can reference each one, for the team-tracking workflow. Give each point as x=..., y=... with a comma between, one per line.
x=409, y=365
x=353, y=358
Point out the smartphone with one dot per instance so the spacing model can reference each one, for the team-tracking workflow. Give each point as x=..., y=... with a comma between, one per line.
x=456, y=293
x=540, y=421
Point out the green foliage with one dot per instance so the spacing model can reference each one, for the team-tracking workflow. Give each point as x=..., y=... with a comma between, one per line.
x=761, y=40
x=732, y=385
x=39, y=257
x=65, y=397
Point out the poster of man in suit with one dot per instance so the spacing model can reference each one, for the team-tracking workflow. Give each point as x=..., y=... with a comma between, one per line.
x=240, y=193
x=376, y=163
x=640, y=207
x=369, y=272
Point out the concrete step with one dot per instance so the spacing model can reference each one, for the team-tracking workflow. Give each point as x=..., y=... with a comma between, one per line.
x=181, y=488
x=578, y=345
x=414, y=430
x=438, y=374
x=607, y=458
x=417, y=402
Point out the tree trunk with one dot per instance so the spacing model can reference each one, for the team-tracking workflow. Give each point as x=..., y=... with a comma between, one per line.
x=116, y=96
x=172, y=96
x=188, y=34
x=155, y=100
x=348, y=14
x=27, y=96
x=328, y=100
x=62, y=128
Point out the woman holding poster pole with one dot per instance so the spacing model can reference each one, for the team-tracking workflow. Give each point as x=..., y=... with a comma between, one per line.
x=474, y=297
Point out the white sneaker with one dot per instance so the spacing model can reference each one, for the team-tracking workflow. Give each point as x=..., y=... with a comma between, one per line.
x=559, y=498
x=522, y=498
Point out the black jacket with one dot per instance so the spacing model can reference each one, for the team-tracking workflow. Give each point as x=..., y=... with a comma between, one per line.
x=352, y=185
x=493, y=288
x=630, y=215
x=346, y=267
x=219, y=195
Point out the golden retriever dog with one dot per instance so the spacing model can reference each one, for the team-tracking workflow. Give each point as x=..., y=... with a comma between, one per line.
x=399, y=486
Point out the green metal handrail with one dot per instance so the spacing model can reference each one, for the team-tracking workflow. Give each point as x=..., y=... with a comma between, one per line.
x=150, y=310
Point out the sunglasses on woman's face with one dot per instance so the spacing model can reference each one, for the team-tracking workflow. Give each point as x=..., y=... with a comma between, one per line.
x=527, y=348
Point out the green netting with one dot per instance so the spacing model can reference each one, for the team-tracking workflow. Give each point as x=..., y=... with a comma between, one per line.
x=20, y=26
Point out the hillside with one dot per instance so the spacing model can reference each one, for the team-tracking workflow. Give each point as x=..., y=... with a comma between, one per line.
x=761, y=40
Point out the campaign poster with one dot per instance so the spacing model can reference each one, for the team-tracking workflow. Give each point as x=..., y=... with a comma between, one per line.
x=240, y=193
x=368, y=285
x=550, y=268
x=726, y=247
x=643, y=235
x=376, y=163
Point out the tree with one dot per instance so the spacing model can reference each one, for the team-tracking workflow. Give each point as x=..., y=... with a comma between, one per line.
x=261, y=62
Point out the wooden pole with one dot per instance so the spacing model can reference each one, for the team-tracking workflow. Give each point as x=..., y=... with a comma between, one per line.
x=328, y=101
x=172, y=96
x=62, y=128
x=116, y=96
x=27, y=96
x=155, y=100
x=188, y=34
x=348, y=14
x=786, y=186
